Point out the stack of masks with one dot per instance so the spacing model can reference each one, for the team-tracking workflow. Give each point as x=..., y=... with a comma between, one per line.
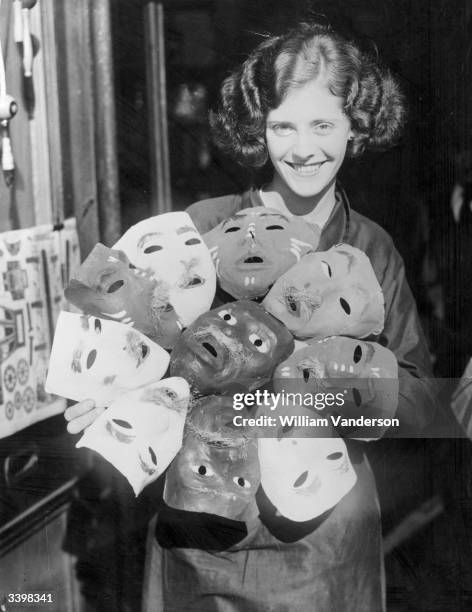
x=151, y=294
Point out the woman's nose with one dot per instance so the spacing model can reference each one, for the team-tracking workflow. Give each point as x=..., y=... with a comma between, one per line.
x=304, y=147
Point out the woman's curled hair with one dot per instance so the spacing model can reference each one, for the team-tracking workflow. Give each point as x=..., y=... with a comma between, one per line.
x=372, y=97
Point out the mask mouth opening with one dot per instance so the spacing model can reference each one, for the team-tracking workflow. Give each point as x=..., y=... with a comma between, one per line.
x=210, y=348
x=193, y=281
x=254, y=259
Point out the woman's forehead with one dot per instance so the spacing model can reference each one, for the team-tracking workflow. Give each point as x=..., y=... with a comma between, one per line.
x=310, y=102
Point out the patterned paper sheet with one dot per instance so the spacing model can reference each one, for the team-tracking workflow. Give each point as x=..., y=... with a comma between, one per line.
x=35, y=265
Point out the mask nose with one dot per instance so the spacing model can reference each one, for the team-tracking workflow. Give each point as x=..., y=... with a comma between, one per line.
x=250, y=236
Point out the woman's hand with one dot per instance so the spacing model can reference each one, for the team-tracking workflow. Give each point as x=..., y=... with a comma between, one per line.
x=81, y=415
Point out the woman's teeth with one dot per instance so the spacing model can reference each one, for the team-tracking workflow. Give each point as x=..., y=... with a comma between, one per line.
x=305, y=169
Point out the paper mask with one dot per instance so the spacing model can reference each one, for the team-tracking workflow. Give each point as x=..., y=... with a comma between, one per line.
x=217, y=469
x=366, y=373
x=108, y=286
x=255, y=246
x=141, y=432
x=237, y=345
x=99, y=359
x=170, y=247
x=330, y=293
x=303, y=477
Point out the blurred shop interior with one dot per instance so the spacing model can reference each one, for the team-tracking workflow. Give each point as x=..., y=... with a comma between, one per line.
x=112, y=127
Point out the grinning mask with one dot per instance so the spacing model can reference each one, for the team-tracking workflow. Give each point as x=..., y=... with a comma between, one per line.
x=170, y=247
x=365, y=372
x=237, y=345
x=217, y=469
x=329, y=293
x=106, y=285
x=303, y=477
x=141, y=432
x=100, y=359
x=255, y=246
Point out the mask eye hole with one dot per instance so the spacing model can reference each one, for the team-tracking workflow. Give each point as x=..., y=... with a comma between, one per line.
x=227, y=317
x=144, y=350
x=152, y=454
x=357, y=354
x=345, y=306
x=300, y=480
x=233, y=228
x=97, y=326
x=357, y=397
x=192, y=241
x=131, y=266
x=242, y=482
x=261, y=345
x=122, y=423
x=115, y=286
x=91, y=358
x=334, y=456
x=152, y=249
x=274, y=227
x=326, y=269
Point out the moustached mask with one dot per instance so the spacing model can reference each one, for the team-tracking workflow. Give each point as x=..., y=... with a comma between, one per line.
x=106, y=285
x=303, y=477
x=255, y=246
x=100, y=359
x=235, y=346
x=217, y=469
x=329, y=293
x=170, y=247
x=141, y=432
x=366, y=374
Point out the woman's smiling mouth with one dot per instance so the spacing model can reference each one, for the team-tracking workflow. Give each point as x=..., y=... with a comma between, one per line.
x=305, y=169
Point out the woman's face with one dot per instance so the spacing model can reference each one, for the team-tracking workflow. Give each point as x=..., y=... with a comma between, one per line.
x=307, y=137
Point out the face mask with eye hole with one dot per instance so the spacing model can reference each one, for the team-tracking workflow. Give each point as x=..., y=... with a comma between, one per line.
x=99, y=359
x=142, y=430
x=365, y=373
x=170, y=248
x=106, y=285
x=303, y=477
x=237, y=345
x=254, y=247
x=217, y=469
x=329, y=293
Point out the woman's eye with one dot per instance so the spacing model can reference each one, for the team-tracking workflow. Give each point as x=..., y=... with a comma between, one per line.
x=227, y=317
x=203, y=470
x=324, y=128
x=152, y=249
x=233, y=228
x=242, y=482
x=326, y=269
x=261, y=345
x=281, y=129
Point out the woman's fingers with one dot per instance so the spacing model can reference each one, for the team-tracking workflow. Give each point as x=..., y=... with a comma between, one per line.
x=81, y=415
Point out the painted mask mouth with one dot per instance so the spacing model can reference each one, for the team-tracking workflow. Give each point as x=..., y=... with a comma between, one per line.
x=121, y=430
x=293, y=305
x=145, y=464
x=194, y=281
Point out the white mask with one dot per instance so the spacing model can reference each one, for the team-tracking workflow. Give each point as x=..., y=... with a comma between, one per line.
x=141, y=432
x=304, y=477
x=99, y=359
x=170, y=247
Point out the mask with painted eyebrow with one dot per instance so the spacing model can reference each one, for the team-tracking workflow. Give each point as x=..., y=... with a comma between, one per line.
x=101, y=360
x=253, y=248
x=237, y=345
x=217, y=469
x=170, y=248
x=302, y=476
x=106, y=285
x=365, y=374
x=142, y=430
x=329, y=293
